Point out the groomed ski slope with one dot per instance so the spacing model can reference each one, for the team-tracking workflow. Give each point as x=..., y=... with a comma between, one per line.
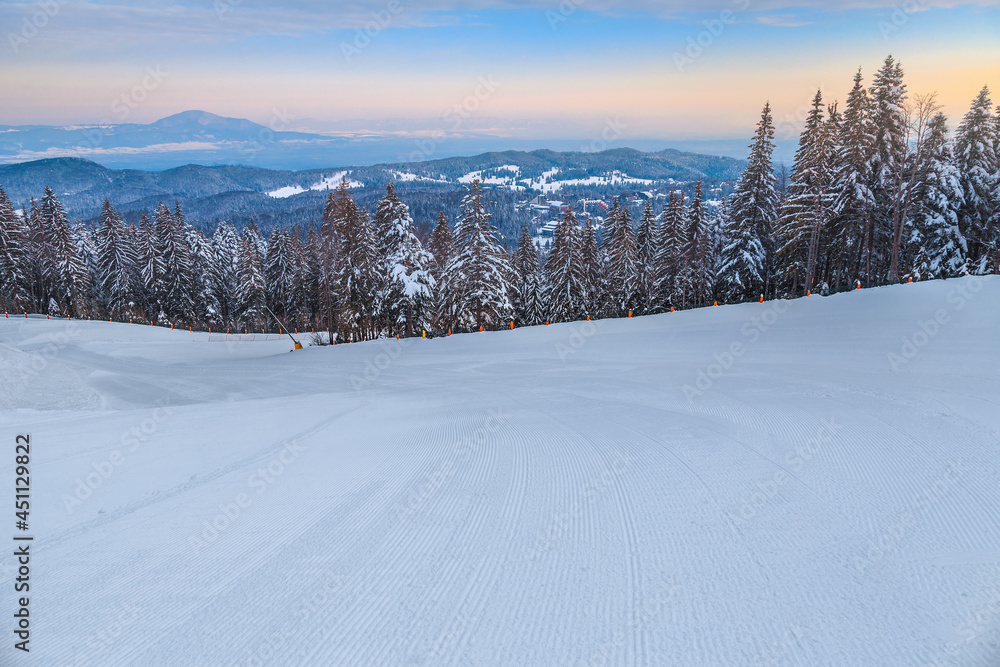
x=547, y=496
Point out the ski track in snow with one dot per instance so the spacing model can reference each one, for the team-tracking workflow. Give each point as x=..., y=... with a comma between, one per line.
x=483, y=501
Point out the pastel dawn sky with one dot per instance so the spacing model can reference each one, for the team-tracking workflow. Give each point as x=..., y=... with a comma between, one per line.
x=661, y=69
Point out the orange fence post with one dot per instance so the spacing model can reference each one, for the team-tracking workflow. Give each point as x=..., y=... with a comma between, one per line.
x=762, y=298
x=511, y=326
x=630, y=313
x=716, y=303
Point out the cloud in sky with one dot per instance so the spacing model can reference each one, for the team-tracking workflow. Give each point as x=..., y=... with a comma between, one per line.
x=783, y=21
x=221, y=19
x=601, y=59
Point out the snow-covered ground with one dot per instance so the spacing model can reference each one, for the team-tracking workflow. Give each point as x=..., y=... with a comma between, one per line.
x=328, y=183
x=546, y=185
x=812, y=482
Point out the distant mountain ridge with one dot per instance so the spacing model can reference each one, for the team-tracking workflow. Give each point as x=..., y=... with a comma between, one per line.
x=186, y=137
x=281, y=198
x=284, y=142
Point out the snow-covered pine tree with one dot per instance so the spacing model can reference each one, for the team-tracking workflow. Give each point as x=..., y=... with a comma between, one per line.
x=853, y=201
x=206, y=309
x=564, y=271
x=224, y=272
x=528, y=306
x=994, y=224
x=86, y=249
x=890, y=156
x=14, y=261
x=409, y=287
x=251, y=293
x=940, y=248
x=279, y=276
x=71, y=280
x=42, y=274
x=593, y=271
x=478, y=276
x=299, y=314
x=646, y=237
x=357, y=274
x=716, y=242
x=176, y=302
x=116, y=262
x=309, y=276
x=151, y=268
x=696, y=251
x=823, y=272
x=748, y=224
x=976, y=159
x=805, y=212
x=441, y=245
x=252, y=234
x=526, y=255
x=621, y=258
x=329, y=252
x=669, y=262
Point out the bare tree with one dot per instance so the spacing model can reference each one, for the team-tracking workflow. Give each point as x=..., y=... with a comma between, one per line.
x=918, y=112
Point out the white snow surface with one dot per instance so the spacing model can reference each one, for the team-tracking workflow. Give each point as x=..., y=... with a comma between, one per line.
x=332, y=182
x=328, y=183
x=287, y=191
x=510, y=182
x=544, y=496
x=546, y=184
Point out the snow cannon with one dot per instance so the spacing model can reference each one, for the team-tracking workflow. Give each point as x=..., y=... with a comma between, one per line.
x=285, y=330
